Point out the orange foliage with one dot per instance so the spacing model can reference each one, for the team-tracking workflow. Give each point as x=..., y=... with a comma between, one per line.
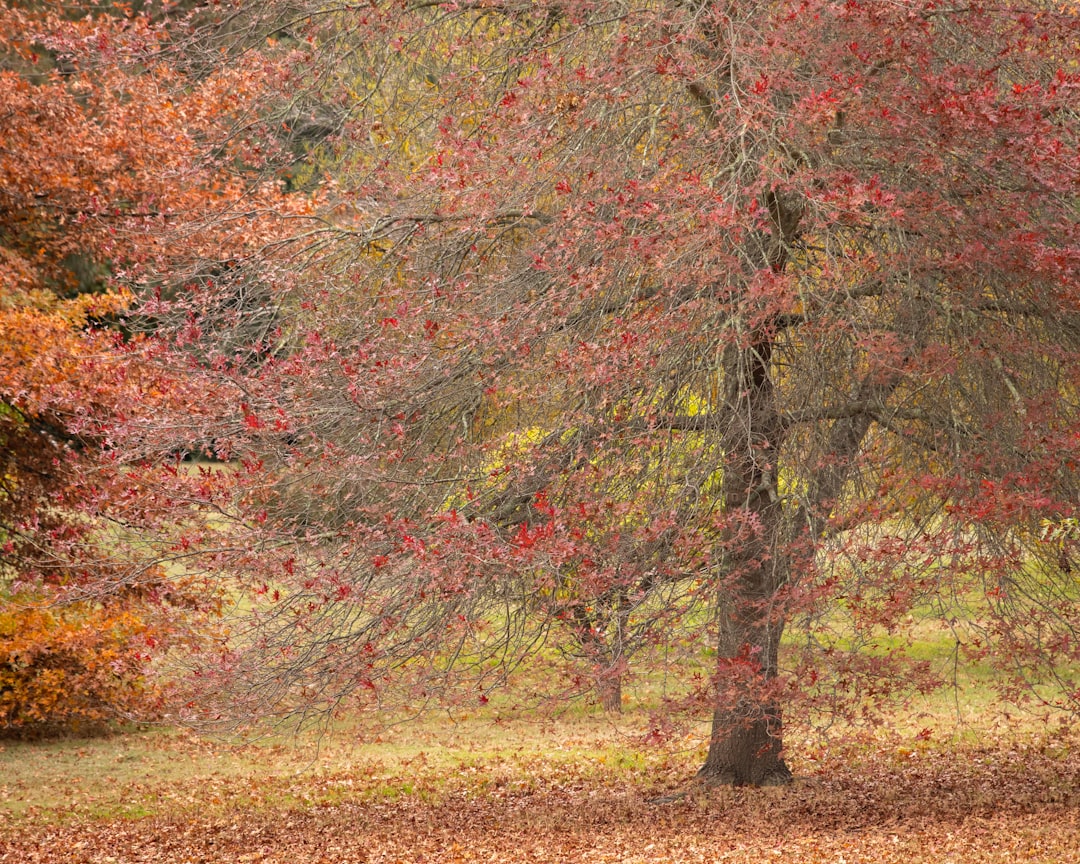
x=71, y=666
x=105, y=186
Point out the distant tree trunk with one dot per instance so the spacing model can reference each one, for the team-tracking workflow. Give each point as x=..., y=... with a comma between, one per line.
x=609, y=689
x=604, y=646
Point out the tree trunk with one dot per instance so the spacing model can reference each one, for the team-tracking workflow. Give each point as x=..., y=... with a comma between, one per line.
x=608, y=653
x=609, y=689
x=746, y=752
x=746, y=744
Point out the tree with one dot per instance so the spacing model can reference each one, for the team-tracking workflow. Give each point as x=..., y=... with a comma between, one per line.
x=107, y=182
x=766, y=315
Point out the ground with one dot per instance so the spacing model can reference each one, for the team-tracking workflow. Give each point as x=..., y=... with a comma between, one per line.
x=557, y=790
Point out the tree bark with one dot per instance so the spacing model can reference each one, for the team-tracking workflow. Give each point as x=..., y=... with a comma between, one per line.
x=609, y=690
x=748, y=752
x=746, y=744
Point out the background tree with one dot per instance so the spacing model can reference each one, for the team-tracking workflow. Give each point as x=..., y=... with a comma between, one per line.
x=114, y=168
x=746, y=327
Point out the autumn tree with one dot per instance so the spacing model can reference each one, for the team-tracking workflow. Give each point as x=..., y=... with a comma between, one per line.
x=115, y=182
x=747, y=328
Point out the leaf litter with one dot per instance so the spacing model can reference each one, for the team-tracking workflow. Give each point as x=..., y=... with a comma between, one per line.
x=1004, y=801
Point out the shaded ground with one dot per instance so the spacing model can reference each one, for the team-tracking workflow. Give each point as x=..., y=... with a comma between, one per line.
x=1006, y=802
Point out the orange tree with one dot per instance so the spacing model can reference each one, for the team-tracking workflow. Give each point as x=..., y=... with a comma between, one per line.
x=773, y=306
x=107, y=184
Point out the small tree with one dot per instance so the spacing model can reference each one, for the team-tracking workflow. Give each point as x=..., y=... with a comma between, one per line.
x=787, y=294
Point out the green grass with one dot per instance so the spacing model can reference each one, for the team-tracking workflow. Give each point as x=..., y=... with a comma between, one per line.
x=160, y=771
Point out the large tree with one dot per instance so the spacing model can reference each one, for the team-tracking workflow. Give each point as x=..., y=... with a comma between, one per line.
x=747, y=326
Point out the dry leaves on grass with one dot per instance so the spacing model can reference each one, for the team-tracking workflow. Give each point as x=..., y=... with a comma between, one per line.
x=989, y=805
